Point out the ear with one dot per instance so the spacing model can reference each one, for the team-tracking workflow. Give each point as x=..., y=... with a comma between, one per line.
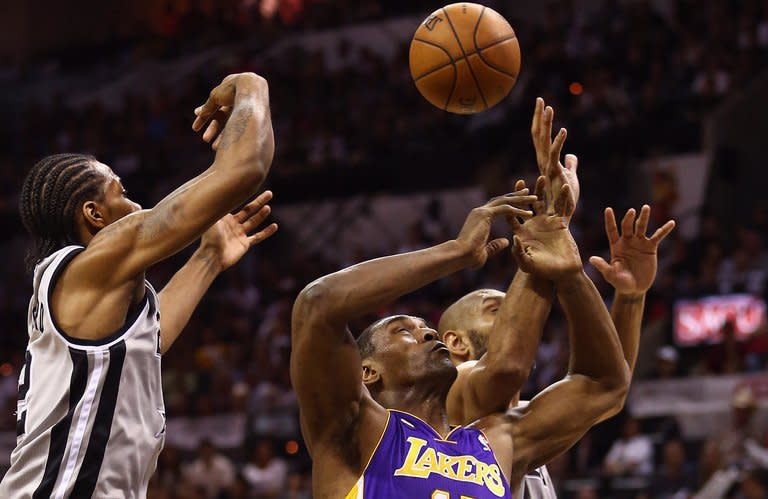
x=371, y=374
x=456, y=343
x=93, y=215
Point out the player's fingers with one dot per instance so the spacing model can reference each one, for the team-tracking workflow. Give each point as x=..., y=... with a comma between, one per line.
x=600, y=264
x=571, y=162
x=514, y=223
x=628, y=223
x=263, y=234
x=517, y=197
x=510, y=211
x=520, y=185
x=496, y=246
x=546, y=129
x=663, y=232
x=203, y=114
x=536, y=122
x=256, y=219
x=611, y=229
x=554, y=152
x=642, y=221
x=517, y=249
x=541, y=195
x=254, y=206
x=563, y=207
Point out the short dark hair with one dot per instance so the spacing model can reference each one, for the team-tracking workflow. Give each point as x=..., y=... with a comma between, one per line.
x=52, y=192
x=365, y=341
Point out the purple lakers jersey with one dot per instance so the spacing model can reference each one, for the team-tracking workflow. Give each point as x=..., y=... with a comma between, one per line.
x=413, y=461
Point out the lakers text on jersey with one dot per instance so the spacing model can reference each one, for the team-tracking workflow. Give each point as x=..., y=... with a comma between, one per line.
x=413, y=460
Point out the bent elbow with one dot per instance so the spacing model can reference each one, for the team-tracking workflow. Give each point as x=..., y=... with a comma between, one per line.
x=616, y=391
x=314, y=297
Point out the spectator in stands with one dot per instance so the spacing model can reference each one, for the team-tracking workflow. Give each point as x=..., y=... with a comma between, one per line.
x=211, y=471
x=632, y=454
x=675, y=478
x=265, y=473
x=741, y=445
x=666, y=363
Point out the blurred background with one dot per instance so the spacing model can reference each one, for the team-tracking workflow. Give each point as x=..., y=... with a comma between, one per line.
x=666, y=103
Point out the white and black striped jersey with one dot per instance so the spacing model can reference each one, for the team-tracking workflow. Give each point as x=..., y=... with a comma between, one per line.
x=91, y=417
x=537, y=485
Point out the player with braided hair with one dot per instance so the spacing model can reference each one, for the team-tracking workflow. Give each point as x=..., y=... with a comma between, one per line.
x=51, y=191
x=91, y=417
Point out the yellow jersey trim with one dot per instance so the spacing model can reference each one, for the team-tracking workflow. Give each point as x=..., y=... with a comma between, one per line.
x=358, y=488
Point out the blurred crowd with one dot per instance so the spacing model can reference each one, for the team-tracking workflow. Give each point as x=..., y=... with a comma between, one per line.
x=629, y=82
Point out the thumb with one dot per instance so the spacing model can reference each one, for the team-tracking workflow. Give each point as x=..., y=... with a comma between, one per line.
x=600, y=264
x=496, y=246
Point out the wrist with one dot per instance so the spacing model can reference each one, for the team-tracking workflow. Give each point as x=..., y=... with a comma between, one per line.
x=570, y=279
x=629, y=297
x=209, y=258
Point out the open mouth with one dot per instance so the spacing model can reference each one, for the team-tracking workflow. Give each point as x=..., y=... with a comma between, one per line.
x=439, y=346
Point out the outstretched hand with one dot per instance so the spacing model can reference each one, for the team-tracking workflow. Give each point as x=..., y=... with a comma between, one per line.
x=229, y=238
x=548, y=156
x=543, y=245
x=632, y=268
x=477, y=228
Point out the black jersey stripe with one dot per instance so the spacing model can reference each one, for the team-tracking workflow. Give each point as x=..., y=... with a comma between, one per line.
x=60, y=431
x=102, y=425
x=21, y=424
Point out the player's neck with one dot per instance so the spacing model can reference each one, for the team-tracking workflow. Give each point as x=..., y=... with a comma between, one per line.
x=428, y=407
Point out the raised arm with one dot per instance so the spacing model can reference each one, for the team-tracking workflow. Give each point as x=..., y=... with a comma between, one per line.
x=326, y=368
x=244, y=149
x=492, y=383
x=489, y=385
x=598, y=376
x=220, y=247
x=631, y=272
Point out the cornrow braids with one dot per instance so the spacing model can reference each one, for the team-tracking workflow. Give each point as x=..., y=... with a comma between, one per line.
x=52, y=192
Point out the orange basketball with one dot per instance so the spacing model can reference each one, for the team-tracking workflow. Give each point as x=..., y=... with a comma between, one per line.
x=465, y=58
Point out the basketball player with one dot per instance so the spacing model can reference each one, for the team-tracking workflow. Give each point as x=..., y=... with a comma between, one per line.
x=468, y=324
x=381, y=431
x=91, y=419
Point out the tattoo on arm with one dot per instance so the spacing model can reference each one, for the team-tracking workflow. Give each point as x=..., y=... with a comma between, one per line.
x=161, y=219
x=235, y=127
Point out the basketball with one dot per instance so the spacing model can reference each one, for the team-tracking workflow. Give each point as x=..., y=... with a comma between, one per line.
x=464, y=58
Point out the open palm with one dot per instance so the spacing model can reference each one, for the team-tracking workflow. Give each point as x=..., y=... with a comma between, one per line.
x=230, y=238
x=633, y=264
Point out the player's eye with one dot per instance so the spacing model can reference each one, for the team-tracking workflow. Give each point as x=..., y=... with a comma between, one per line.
x=403, y=330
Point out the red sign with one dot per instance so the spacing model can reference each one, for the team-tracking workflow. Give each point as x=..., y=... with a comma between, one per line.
x=701, y=321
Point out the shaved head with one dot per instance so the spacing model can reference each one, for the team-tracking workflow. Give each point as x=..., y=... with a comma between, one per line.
x=463, y=313
x=466, y=325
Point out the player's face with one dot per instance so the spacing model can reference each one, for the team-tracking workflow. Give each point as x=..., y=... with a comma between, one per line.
x=479, y=321
x=408, y=351
x=115, y=203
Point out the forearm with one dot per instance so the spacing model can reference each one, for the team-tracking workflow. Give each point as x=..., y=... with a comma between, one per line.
x=362, y=288
x=595, y=348
x=627, y=314
x=517, y=329
x=247, y=141
x=183, y=293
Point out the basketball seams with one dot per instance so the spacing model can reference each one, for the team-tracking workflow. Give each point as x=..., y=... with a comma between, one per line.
x=469, y=66
x=497, y=42
x=438, y=68
x=494, y=66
